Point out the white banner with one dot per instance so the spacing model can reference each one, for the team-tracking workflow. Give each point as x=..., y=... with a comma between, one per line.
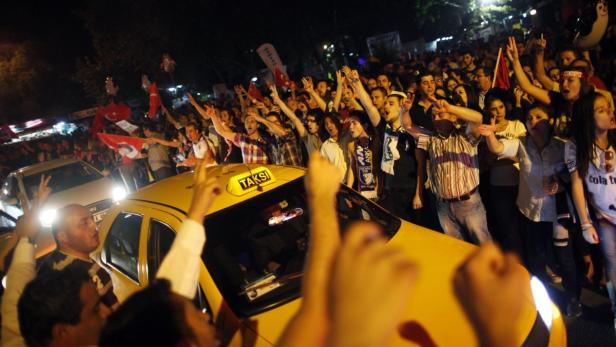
x=270, y=57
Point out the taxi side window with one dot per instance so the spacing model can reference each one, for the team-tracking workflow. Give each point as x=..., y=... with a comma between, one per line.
x=159, y=242
x=122, y=244
x=160, y=238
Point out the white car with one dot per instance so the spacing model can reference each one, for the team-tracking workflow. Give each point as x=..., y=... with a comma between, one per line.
x=72, y=182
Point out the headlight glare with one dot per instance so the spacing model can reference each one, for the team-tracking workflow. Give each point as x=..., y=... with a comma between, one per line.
x=47, y=217
x=118, y=193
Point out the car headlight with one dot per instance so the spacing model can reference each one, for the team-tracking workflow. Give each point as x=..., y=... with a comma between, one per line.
x=543, y=303
x=47, y=216
x=118, y=193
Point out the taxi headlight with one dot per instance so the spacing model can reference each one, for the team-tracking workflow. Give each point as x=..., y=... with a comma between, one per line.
x=543, y=303
x=118, y=193
x=47, y=216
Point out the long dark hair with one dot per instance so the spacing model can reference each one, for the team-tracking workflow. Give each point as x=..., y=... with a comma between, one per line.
x=471, y=95
x=335, y=118
x=583, y=126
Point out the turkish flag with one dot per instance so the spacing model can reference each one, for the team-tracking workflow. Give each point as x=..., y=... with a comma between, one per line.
x=112, y=112
x=254, y=92
x=501, y=72
x=154, y=101
x=128, y=147
x=281, y=79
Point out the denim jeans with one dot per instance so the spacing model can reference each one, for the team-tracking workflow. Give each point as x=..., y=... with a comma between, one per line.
x=607, y=235
x=469, y=215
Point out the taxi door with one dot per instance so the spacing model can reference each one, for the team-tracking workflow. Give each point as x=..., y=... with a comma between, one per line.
x=124, y=234
x=162, y=224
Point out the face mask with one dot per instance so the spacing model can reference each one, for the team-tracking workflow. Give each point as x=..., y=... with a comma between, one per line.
x=541, y=126
x=443, y=126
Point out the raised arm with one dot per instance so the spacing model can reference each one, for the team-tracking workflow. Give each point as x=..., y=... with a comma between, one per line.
x=307, y=82
x=174, y=143
x=541, y=95
x=240, y=92
x=540, y=74
x=301, y=129
x=487, y=131
x=339, y=90
x=170, y=118
x=464, y=113
x=362, y=95
x=220, y=128
x=278, y=130
x=198, y=107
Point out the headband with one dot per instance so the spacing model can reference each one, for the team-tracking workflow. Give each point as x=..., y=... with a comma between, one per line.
x=574, y=73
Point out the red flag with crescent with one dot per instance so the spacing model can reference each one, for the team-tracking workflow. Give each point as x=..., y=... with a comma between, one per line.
x=128, y=147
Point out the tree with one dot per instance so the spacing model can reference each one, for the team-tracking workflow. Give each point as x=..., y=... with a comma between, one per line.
x=18, y=80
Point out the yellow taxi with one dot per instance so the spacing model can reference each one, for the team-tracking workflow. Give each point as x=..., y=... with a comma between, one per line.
x=253, y=259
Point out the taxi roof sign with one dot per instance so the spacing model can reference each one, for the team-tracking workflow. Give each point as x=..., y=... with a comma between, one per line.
x=250, y=180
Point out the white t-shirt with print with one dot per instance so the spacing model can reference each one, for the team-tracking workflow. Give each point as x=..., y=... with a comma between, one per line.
x=600, y=180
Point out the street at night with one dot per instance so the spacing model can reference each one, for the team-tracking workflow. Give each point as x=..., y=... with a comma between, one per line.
x=396, y=173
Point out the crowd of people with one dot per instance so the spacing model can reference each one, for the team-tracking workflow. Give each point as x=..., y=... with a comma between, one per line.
x=528, y=167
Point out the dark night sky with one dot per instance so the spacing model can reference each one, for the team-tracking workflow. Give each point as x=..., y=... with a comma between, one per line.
x=203, y=36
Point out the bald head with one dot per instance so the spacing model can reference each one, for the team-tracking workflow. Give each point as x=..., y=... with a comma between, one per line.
x=75, y=231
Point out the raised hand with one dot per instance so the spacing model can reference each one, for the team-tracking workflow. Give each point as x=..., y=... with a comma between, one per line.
x=322, y=178
x=353, y=76
x=368, y=269
x=210, y=111
x=42, y=192
x=492, y=286
x=274, y=92
x=307, y=82
x=441, y=106
x=28, y=224
x=487, y=129
x=339, y=77
x=542, y=43
x=205, y=191
x=191, y=99
x=512, y=50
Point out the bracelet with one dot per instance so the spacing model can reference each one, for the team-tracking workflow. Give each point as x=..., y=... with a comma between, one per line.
x=586, y=226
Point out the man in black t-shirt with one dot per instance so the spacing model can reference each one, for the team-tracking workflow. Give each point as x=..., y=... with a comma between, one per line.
x=76, y=236
x=421, y=112
x=399, y=164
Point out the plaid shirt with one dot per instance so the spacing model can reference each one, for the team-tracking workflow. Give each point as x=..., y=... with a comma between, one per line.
x=286, y=151
x=253, y=151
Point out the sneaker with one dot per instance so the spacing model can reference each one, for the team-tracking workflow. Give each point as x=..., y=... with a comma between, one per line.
x=574, y=309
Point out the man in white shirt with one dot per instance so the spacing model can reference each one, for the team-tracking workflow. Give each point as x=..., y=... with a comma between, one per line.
x=82, y=325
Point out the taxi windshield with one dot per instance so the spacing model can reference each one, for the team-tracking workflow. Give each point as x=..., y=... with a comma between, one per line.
x=62, y=177
x=255, y=250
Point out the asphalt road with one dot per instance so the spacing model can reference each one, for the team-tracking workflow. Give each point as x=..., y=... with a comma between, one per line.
x=596, y=325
